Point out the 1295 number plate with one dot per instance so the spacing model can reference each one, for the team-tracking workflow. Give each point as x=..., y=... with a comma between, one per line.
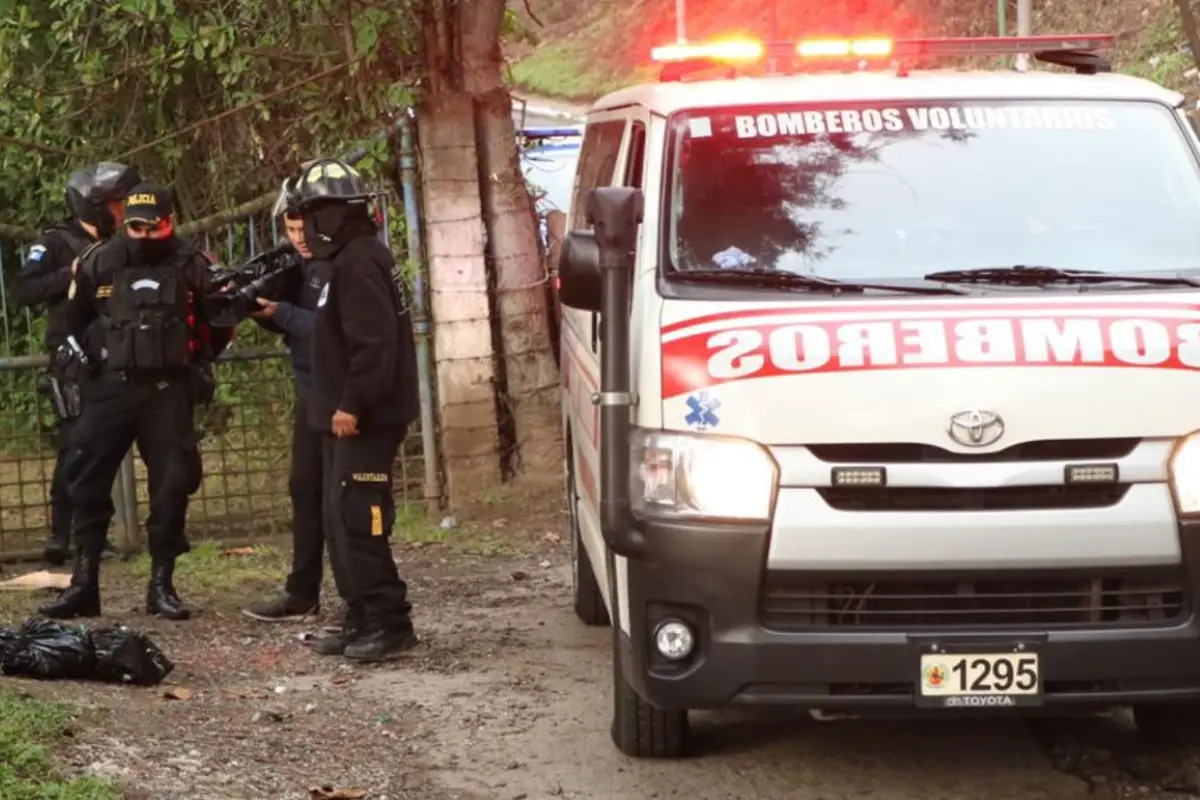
x=980, y=680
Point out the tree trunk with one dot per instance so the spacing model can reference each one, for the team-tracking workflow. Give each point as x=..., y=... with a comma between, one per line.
x=529, y=376
x=455, y=250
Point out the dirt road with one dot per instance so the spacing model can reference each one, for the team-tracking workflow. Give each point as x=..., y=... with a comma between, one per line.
x=508, y=700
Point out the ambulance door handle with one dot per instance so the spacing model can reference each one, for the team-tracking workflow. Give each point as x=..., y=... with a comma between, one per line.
x=595, y=331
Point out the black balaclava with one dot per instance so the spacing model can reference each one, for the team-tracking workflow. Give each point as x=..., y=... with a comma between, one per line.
x=330, y=226
x=103, y=219
x=152, y=251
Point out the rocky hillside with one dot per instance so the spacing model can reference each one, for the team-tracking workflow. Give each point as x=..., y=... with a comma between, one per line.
x=580, y=49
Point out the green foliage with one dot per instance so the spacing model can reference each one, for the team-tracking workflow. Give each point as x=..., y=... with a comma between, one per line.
x=176, y=87
x=28, y=728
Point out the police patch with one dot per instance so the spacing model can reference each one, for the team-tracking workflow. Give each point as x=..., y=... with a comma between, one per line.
x=36, y=252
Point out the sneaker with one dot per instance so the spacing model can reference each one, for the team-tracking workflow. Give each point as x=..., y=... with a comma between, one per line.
x=109, y=552
x=284, y=608
x=381, y=645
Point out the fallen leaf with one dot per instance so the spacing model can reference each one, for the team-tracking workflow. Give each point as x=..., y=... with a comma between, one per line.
x=330, y=793
x=35, y=581
x=552, y=537
x=178, y=693
x=238, y=551
x=339, y=679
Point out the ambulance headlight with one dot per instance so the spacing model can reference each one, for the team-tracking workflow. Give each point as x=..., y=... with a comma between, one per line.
x=1184, y=469
x=688, y=476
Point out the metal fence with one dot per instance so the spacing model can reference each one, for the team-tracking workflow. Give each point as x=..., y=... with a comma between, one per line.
x=246, y=431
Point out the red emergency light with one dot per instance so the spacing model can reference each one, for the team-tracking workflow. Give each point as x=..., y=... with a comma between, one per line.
x=1078, y=51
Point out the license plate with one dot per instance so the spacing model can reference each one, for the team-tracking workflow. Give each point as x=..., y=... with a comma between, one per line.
x=980, y=680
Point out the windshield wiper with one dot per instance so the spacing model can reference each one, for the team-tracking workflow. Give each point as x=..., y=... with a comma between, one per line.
x=793, y=280
x=1020, y=275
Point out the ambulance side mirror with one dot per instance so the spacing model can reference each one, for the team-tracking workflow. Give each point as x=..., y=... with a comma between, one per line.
x=579, y=271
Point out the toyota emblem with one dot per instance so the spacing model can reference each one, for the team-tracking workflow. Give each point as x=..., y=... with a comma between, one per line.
x=976, y=428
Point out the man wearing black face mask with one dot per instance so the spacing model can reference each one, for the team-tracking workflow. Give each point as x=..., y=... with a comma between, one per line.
x=135, y=305
x=364, y=396
x=93, y=198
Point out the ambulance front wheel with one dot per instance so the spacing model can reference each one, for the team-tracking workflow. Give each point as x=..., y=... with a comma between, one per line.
x=1169, y=723
x=589, y=603
x=639, y=730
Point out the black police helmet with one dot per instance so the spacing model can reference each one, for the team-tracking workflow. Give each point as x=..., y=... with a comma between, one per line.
x=113, y=181
x=90, y=190
x=328, y=180
x=78, y=192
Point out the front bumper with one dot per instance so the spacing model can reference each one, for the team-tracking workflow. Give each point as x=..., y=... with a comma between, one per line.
x=713, y=577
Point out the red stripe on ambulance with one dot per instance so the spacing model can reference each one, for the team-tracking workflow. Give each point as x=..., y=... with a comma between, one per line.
x=758, y=346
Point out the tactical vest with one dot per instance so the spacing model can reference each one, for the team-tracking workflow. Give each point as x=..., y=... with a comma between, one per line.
x=146, y=326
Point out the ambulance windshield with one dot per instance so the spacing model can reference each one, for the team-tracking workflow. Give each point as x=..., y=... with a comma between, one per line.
x=857, y=192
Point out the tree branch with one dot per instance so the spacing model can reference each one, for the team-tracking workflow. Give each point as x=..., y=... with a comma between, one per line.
x=229, y=112
x=31, y=145
x=533, y=16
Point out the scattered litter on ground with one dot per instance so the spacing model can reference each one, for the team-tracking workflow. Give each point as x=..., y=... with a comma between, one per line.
x=36, y=582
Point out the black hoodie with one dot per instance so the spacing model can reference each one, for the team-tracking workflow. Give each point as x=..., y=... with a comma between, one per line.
x=364, y=355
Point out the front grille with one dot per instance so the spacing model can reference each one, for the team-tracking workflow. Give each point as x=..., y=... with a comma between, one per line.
x=996, y=498
x=796, y=601
x=911, y=453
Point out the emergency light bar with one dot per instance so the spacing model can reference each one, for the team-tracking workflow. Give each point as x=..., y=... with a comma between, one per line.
x=1078, y=51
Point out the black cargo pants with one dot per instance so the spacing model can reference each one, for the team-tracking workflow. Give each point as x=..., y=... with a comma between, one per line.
x=359, y=515
x=305, y=484
x=60, y=483
x=157, y=415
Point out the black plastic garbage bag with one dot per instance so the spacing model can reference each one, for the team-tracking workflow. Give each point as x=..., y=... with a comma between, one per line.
x=48, y=650
x=126, y=656
x=8, y=640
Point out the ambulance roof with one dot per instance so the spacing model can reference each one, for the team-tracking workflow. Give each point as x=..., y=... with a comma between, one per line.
x=932, y=85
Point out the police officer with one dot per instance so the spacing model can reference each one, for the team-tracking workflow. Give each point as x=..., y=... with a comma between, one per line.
x=93, y=198
x=364, y=396
x=135, y=305
x=293, y=314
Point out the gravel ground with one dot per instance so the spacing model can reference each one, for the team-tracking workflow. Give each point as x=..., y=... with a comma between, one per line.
x=508, y=699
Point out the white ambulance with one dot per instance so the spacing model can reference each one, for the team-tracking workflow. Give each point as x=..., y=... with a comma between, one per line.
x=881, y=384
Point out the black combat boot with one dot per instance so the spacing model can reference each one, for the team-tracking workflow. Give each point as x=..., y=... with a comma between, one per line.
x=382, y=643
x=336, y=642
x=161, y=598
x=82, y=597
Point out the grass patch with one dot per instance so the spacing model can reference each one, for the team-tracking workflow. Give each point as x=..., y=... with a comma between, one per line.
x=566, y=70
x=28, y=730
x=215, y=571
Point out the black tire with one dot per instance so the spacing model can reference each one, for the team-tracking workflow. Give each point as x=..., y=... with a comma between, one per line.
x=1169, y=723
x=589, y=602
x=639, y=730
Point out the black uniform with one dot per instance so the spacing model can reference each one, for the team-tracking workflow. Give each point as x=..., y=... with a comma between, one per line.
x=141, y=325
x=295, y=316
x=44, y=280
x=364, y=364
